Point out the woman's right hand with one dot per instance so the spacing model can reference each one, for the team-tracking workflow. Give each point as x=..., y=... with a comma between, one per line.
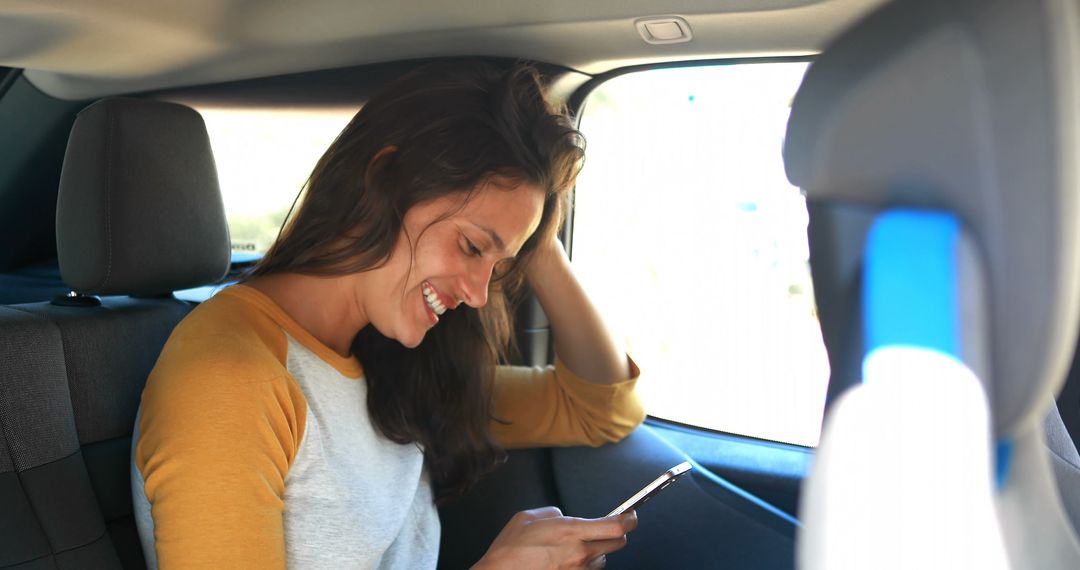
x=544, y=538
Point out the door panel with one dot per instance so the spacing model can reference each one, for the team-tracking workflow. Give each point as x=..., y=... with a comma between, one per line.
x=701, y=521
x=769, y=470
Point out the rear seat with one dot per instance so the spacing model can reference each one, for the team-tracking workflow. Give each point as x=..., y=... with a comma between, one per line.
x=139, y=215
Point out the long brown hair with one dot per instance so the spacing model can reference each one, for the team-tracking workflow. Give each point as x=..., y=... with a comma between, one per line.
x=450, y=127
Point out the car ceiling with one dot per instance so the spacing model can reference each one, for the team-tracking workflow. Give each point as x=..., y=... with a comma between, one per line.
x=76, y=49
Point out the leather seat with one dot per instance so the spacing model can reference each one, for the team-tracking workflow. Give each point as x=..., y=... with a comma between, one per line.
x=139, y=215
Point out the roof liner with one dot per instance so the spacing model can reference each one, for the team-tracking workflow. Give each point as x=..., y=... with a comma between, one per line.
x=76, y=49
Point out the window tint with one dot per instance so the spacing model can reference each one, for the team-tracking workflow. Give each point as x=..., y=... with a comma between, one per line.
x=264, y=157
x=694, y=246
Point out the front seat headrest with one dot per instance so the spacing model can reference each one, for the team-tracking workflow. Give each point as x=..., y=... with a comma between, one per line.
x=970, y=107
x=139, y=209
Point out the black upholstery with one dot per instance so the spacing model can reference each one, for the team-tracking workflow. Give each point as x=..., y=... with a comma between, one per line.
x=70, y=380
x=139, y=213
x=139, y=210
x=32, y=141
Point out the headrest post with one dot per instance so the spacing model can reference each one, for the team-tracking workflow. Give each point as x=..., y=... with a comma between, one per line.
x=75, y=299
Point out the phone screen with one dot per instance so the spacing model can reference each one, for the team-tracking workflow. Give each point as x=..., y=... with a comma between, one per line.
x=659, y=484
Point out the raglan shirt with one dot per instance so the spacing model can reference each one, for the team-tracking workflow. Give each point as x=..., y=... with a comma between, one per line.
x=253, y=446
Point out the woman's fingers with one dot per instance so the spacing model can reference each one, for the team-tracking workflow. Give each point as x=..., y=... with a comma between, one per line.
x=543, y=513
x=598, y=562
x=598, y=548
x=605, y=528
x=543, y=538
x=602, y=536
x=629, y=520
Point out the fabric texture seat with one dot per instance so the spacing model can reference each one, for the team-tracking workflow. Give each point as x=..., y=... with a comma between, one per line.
x=967, y=109
x=71, y=372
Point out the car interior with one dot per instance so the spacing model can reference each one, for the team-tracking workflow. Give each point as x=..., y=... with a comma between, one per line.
x=921, y=133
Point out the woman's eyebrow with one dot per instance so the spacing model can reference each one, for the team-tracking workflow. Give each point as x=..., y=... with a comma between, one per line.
x=494, y=236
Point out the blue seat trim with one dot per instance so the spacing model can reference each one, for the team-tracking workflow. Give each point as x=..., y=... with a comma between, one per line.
x=1003, y=455
x=909, y=282
x=910, y=291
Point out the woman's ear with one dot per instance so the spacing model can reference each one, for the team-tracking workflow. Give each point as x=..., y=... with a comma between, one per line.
x=379, y=162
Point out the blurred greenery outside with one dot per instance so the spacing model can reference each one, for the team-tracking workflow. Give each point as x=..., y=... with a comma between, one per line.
x=255, y=233
x=686, y=234
x=264, y=157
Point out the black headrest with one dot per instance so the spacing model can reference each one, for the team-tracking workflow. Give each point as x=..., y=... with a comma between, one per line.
x=139, y=210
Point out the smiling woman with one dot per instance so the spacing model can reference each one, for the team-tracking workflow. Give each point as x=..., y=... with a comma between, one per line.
x=315, y=413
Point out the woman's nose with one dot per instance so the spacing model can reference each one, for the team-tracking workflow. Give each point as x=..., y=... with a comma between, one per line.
x=476, y=287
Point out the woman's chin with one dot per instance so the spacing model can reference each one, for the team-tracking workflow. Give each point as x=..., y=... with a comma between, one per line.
x=411, y=339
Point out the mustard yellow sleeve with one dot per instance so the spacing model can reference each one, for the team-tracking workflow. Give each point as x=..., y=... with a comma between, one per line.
x=552, y=406
x=218, y=434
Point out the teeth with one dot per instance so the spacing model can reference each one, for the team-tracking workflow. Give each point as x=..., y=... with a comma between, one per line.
x=433, y=300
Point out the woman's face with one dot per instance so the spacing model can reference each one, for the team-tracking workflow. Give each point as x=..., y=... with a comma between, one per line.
x=453, y=257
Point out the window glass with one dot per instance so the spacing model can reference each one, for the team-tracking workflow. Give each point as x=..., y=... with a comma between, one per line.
x=694, y=246
x=264, y=157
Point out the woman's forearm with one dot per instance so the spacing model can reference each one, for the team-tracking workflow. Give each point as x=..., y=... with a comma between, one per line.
x=582, y=340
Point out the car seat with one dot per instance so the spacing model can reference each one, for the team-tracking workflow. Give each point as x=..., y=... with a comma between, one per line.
x=139, y=215
x=936, y=144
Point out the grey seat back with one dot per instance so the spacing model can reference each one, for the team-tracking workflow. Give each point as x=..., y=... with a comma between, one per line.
x=139, y=213
x=962, y=106
x=967, y=107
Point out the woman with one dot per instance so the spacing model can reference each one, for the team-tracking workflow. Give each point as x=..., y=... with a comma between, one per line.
x=314, y=414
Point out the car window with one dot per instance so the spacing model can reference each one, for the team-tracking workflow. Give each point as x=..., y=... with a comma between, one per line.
x=264, y=156
x=694, y=245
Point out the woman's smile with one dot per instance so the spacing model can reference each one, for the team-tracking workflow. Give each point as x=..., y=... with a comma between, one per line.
x=435, y=303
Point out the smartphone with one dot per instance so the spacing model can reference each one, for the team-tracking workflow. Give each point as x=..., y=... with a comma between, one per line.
x=659, y=484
